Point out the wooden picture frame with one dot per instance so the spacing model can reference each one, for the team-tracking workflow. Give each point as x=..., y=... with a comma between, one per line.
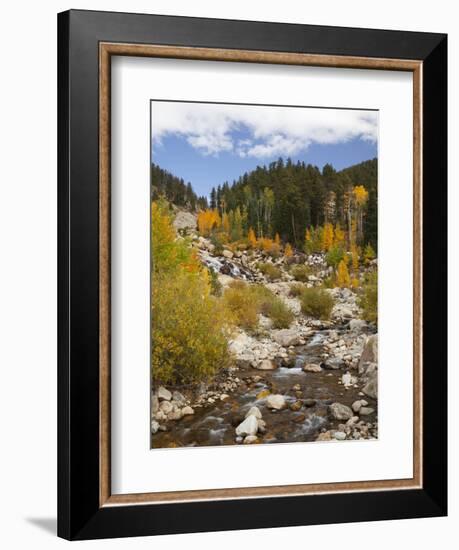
x=87, y=41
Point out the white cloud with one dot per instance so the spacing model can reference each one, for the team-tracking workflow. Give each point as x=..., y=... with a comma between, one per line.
x=272, y=131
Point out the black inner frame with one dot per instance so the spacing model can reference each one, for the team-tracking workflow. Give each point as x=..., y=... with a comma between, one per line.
x=79, y=514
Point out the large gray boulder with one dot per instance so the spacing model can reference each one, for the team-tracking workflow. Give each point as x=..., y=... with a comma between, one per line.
x=369, y=353
x=248, y=427
x=338, y=411
x=286, y=337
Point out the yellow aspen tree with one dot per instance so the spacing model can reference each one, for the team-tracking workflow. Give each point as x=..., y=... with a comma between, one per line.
x=327, y=237
x=277, y=239
x=288, y=252
x=355, y=256
x=343, y=279
x=340, y=237
x=251, y=237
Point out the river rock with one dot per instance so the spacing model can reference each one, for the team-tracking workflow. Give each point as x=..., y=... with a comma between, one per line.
x=340, y=436
x=357, y=405
x=166, y=407
x=250, y=439
x=312, y=367
x=357, y=325
x=154, y=404
x=346, y=379
x=369, y=353
x=178, y=398
x=163, y=394
x=332, y=364
x=296, y=405
x=371, y=387
x=276, y=402
x=286, y=337
x=241, y=343
x=266, y=364
x=227, y=254
x=340, y=411
x=254, y=411
x=310, y=402
x=154, y=426
x=186, y=411
x=365, y=411
x=248, y=427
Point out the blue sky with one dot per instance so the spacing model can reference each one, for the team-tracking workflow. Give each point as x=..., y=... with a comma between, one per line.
x=208, y=144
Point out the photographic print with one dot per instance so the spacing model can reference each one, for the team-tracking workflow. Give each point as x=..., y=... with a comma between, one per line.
x=264, y=274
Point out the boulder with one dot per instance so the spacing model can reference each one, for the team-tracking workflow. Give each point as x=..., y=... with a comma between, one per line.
x=248, y=427
x=166, y=407
x=266, y=364
x=357, y=405
x=186, y=411
x=312, y=367
x=340, y=436
x=178, y=398
x=253, y=411
x=286, y=337
x=338, y=411
x=366, y=411
x=369, y=353
x=357, y=325
x=163, y=394
x=371, y=387
x=276, y=402
x=154, y=404
x=227, y=254
x=154, y=426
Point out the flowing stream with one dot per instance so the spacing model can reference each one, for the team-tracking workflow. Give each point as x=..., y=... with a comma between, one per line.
x=215, y=423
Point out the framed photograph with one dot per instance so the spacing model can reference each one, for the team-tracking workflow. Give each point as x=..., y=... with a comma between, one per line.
x=252, y=274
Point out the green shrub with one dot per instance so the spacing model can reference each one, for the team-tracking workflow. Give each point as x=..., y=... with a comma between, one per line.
x=243, y=305
x=280, y=315
x=300, y=272
x=215, y=284
x=334, y=256
x=245, y=302
x=296, y=289
x=316, y=303
x=369, y=298
x=270, y=271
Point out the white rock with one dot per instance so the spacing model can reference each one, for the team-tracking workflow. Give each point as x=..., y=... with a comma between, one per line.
x=227, y=254
x=340, y=436
x=276, y=401
x=163, y=394
x=154, y=426
x=312, y=367
x=266, y=364
x=248, y=427
x=346, y=379
x=154, y=404
x=254, y=411
x=187, y=411
x=365, y=411
x=166, y=407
